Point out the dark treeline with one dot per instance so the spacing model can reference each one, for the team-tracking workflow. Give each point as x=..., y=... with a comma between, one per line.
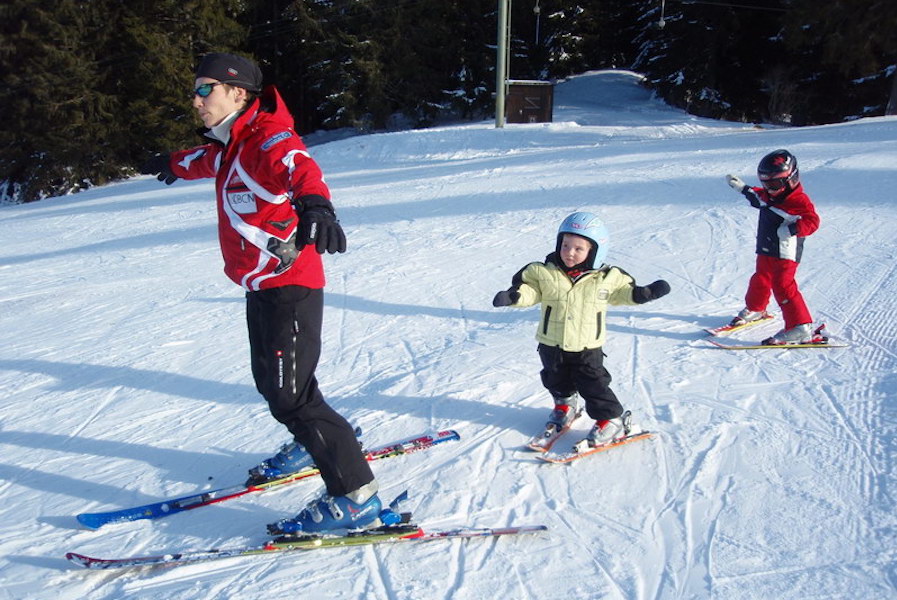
x=92, y=87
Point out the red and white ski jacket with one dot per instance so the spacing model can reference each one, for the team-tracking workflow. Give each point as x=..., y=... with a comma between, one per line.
x=263, y=168
x=784, y=223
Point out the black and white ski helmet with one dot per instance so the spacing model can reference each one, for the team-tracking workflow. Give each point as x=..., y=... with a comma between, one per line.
x=778, y=172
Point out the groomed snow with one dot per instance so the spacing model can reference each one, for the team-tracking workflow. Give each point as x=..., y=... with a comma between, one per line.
x=124, y=370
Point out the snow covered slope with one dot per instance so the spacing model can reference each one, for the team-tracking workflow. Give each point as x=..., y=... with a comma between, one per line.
x=125, y=378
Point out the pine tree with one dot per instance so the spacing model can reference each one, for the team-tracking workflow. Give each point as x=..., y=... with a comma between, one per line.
x=321, y=57
x=359, y=63
x=429, y=49
x=148, y=64
x=91, y=87
x=591, y=34
x=715, y=61
x=564, y=42
x=472, y=77
x=845, y=58
x=50, y=138
x=288, y=38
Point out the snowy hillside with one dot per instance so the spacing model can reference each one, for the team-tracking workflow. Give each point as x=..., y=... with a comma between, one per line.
x=124, y=371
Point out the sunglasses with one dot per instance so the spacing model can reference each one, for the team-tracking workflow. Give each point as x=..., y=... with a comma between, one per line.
x=205, y=89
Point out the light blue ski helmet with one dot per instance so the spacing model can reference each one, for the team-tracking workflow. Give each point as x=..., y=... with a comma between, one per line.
x=589, y=226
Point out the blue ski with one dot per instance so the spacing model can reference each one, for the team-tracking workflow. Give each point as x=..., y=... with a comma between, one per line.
x=173, y=506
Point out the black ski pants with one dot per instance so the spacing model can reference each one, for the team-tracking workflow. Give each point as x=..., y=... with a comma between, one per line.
x=285, y=342
x=564, y=373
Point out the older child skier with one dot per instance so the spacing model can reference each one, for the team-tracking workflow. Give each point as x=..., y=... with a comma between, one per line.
x=574, y=287
x=787, y=216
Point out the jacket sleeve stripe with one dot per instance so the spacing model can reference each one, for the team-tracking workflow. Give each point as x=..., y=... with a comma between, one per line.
x=257, y=237
x=289, y=160
x=256, y=188
x=251, y=281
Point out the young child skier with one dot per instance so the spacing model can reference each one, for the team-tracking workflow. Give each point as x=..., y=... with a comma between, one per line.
x=574, y=287
x=787, y=216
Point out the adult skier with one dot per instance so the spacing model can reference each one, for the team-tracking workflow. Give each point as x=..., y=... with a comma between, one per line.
x=275, y=220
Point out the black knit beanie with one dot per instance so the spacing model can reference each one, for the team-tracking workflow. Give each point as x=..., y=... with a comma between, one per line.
x=231, y=69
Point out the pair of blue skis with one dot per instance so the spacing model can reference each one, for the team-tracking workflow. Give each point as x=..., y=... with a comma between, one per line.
x=403, y=532
x=164, y=508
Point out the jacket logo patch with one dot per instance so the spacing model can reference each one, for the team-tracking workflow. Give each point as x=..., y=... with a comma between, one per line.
x=239, y=197
x=235, y=181
x=603, y=295
x=281, y=225
x=242, y=201
x=275, y=139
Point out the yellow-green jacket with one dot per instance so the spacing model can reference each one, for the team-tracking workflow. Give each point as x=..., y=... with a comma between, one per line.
x=573, y=313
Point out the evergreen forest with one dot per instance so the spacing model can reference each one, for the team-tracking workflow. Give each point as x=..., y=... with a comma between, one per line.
x=91, y=88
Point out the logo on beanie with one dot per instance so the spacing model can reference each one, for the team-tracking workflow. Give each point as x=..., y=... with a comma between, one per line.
x=230, y=68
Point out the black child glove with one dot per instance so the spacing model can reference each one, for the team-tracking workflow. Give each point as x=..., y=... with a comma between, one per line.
x=652, y=291
x=159, y=165
x=506, y=298
x=659, y=288
x=318, y=225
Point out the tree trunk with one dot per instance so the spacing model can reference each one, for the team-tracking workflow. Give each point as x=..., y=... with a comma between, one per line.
x=892, y=103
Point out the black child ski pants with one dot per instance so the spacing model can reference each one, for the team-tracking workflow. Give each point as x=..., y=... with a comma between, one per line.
x=285, y=342
x=566, y=372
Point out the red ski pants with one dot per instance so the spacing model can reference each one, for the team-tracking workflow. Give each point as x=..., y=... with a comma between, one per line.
x=776, y=276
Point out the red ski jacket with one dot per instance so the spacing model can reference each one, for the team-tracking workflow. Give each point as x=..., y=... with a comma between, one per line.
x=784, y=223
x=264, y=168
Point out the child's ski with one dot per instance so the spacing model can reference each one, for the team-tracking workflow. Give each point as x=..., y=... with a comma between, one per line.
x=545, y=440
x=776, y=346
x=571, y=456
x=825, y=342
x=397, y=533
x=727, y=329
x=164, y=508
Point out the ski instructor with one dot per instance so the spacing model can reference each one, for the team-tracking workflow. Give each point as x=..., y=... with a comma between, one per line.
x=275, y=220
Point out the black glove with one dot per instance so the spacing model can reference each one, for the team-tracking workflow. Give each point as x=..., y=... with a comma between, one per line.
x=653, y=291
x=506, y=298
x=318, y=225
x=659, y=289
x=159, y=165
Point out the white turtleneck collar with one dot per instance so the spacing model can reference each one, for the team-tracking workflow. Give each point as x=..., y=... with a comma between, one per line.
x=221, y=131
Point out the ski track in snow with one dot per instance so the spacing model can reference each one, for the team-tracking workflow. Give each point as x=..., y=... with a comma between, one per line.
x=125, y=371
